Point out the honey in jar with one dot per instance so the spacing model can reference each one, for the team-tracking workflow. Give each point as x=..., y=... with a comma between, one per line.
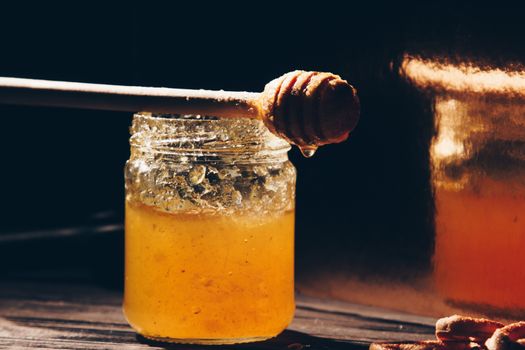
x=209, y=230
x=479, y=245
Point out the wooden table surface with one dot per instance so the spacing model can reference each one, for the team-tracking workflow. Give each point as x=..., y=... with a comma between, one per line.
x=38, y=315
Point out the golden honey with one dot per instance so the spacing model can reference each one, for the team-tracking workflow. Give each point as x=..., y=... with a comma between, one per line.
x=202, y=276
x=209, y=252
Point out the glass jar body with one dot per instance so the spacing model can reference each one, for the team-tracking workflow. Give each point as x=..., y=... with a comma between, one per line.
x=209, y=231
x=478, y=160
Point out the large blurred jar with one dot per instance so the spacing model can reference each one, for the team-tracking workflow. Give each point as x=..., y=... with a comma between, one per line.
x=478, y=175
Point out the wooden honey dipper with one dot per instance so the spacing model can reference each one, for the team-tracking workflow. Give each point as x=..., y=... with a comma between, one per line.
x=308, y=109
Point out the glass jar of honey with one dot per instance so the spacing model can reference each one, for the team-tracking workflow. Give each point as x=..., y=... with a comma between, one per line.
x=478, y=176
x=209, y=230
x=478, y=160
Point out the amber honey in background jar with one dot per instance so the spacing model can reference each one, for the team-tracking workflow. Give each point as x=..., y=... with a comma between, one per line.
x=209, y=230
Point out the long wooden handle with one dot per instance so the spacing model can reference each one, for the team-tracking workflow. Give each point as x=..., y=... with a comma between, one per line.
x=34, y=92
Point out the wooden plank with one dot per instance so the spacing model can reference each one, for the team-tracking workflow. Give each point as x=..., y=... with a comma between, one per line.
x=46, y=316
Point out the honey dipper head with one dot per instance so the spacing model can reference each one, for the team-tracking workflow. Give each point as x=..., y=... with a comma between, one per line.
x=310, y=108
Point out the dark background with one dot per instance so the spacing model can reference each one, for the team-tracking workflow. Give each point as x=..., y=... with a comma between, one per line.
x=362, y=206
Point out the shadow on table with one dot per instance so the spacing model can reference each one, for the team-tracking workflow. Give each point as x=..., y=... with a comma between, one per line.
x=288, y=340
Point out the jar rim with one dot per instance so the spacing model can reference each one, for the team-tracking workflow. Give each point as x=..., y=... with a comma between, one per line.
x=196, y=135
x=464, y=79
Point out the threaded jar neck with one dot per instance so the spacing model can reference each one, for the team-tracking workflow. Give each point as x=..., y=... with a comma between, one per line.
x=202, y=138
